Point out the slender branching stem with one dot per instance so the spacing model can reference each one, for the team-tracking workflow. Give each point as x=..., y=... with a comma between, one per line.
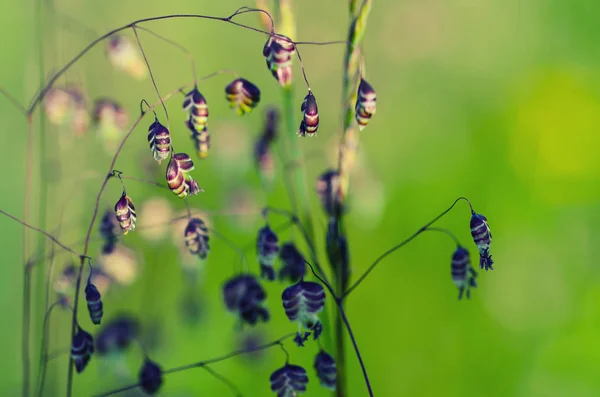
x=400, y=245
x=204, y=363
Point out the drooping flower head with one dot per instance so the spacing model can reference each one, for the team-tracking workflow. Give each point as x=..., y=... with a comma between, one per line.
x=463, y=275
x=271, y=126
x=178, y=178
x=195, y=104
x=159, y=140
x=482, y=236
x=278, y=51
x=94, y=302
x=242, y=95
x=117, y=334
x=310, y=112
x=263, y=158
x=328, y=189
x=366, y=102
x=289, y=380
x=196, y=237
x=150, y=377
x=201, y=142
x=326, y=369
x=125, y=55
x=82, y=349
x=302, y=303
x=108, y=230
x=267, y=247
x=293, y=268
x=109, y=111
x=245, y=296
x=125, y=213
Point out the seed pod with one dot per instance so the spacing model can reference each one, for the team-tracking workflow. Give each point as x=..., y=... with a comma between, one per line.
x=196, y=237
x=82, y=349
x=150, y=377
x=482, y=236
x=159, y=139
x=117, y=334
x=366, y=102
x=328, y=189
x=195, y=104
x=310, y=121
x=245, y=296
x=326, y=369
x=201, y=142
x=302, y=302
x=94, y=302
x=289, y=380
x=279, y=50
x=178, y=178
x=125, y=212
x=125, y=55
x=294, y=266
x=242, y=95
x=463, y=275
x=267, y=247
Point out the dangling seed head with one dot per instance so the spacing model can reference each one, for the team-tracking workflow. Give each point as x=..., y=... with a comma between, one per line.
x=326, y=369
x=195, y=104
x=482, y=236
x=271, y=127
x=178, y=178
x=159, y=139
x=294, y=267
x=366, y=102
x=82, y=349
x=463, y=275
x=125, y=213
x=310, y=121
x=125, y=55
x=150, y=377
x=328, y=189
x=302, y=302
x=108, y=231
x=267, y=247
x=242, y=95
x=94, y=302
x=201, y=142
x=245, y=296
x=196, y=237
x=117, y=334
x=278, y=51
x=289, y=380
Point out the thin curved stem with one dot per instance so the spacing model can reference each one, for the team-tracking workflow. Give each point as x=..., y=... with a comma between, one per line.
x=400, y=245
x=445, y=231
x=223, y=379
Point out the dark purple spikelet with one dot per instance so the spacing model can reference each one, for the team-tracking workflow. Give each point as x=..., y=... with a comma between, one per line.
x=338, y=253
x=242, y=95
x=178, y=178
x=271, y=127
x=150, y=377
x=328, y=189
x=108, y=231
x=159, y=140
x=245, y=296
x=94, y=302
x=278, y=51
x=302, y=303
x=366, y=104
x=195, y=104
x=289, y=380
x=463, y=275
x=82, y=349
x=263, y=158
x=293, y=268
x=310, y=120
x=196, y=237
x=125, y=213
x=326, y=369
x=482, y=236
x=117, y=334
x=267, y=247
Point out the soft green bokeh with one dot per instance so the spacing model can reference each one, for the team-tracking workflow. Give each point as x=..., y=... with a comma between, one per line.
x=498, y=101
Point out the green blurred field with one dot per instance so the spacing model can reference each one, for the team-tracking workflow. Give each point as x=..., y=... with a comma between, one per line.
x=498, y=101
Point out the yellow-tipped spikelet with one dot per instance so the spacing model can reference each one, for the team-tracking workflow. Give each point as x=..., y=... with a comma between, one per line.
x=366, y=102
x=195, y=104
x=159, y=140
x=178, y=178
x=125, y=213
x=242, y=95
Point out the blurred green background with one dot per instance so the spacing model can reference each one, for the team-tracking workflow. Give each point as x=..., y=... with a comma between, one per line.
x=498, y=101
